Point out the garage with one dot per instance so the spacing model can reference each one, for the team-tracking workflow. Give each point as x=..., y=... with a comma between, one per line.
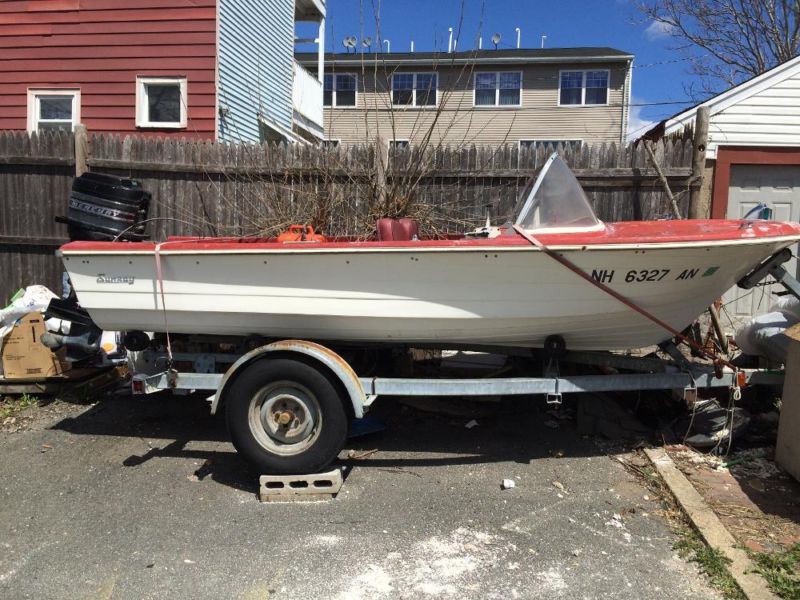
x=751, y=185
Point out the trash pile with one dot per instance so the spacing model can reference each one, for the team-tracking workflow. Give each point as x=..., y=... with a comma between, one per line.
x=764, y=335
x=41, y=337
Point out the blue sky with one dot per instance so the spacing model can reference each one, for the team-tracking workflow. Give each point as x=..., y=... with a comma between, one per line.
x=659, y=74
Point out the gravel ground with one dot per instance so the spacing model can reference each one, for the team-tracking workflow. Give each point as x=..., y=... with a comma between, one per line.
x=145, y=498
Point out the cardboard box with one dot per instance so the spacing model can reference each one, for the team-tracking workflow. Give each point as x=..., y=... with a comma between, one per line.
x=24, y=356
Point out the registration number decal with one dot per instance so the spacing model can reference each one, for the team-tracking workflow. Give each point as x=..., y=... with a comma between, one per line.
x=648, y=275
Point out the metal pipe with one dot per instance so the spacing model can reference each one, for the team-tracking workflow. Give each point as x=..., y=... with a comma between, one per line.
x=450, y=40
x=519, y=36
x=412, y=45
x=544, y=37
x=480, y=43
x=389, y=45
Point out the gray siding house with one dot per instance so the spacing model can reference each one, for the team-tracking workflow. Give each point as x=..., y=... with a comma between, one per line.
x=264, y=94
x=521, y=96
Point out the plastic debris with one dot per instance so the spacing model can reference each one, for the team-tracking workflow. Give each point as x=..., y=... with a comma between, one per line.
x=471, y=424
x=508, y=484
x=560, y=486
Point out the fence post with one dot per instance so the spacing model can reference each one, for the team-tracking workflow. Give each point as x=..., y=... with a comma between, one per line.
x=698, y=161
x=81, y=150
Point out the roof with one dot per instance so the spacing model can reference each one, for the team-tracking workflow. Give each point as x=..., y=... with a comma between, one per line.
x=723, y=100
x=516, y=55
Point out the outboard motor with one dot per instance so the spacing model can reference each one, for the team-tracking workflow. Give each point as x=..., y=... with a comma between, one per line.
x=83, y=341
x=106, y=208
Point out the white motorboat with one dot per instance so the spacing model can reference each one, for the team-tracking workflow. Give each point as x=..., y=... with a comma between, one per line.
x=493, y=287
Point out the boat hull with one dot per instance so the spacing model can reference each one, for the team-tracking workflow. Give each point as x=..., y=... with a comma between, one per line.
x=475, y=294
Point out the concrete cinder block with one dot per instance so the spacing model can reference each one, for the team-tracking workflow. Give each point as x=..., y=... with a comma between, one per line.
x=300, y=488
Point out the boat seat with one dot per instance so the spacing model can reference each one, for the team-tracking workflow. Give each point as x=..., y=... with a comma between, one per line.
x=397, y=230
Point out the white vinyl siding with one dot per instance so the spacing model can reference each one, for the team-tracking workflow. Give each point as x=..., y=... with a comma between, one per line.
x=256, y=67
x=458, y=122
x=762, y=112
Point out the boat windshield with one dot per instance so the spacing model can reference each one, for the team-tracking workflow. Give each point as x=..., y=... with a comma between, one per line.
x=557, y=201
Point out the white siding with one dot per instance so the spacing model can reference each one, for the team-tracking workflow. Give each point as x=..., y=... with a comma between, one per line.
x=764, y=111
x=768, y=118
x=256, y=65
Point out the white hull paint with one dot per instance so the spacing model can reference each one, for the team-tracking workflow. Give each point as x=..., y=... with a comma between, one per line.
x=505, y=296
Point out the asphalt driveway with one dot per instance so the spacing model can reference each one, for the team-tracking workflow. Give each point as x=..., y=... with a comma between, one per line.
x=145, y=498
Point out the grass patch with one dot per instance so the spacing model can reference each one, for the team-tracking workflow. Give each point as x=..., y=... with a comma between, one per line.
x=780, y=569
x=10, y=406
x=711, y=561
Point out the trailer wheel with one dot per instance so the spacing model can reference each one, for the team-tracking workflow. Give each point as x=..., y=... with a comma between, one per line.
x=285, y=416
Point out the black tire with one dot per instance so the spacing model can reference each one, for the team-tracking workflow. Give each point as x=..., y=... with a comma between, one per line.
x=258, y=398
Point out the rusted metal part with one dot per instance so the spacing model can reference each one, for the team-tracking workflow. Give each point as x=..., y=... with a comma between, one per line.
x=327, y=357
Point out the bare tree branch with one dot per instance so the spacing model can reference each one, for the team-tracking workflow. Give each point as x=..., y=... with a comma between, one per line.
x=728, y=41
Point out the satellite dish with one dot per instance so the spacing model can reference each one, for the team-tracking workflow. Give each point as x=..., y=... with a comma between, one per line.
x=366, y=42
x=496, y=39
x=349, y=42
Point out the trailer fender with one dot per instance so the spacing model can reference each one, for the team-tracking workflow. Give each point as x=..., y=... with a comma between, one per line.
x=320, y=354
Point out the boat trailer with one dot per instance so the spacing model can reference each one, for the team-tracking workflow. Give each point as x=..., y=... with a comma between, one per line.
x=278, y=396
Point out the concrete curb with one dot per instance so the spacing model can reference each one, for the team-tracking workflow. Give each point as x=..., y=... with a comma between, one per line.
x=710, y=527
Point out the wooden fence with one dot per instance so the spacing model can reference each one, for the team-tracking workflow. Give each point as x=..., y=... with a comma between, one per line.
x=203, y=188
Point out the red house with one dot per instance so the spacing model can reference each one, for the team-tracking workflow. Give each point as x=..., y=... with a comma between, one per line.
x=164, y=67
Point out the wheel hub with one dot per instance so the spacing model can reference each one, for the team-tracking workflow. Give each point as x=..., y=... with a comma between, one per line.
x=287, y=416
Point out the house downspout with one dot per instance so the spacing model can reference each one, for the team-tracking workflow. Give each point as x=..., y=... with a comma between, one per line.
x=626, y=103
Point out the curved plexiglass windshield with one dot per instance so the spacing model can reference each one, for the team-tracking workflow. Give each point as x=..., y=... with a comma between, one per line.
x=556, y=200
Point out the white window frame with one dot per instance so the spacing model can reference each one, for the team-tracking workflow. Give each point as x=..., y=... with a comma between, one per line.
x=496, y=104
x=142, y=105
x=414, y=90
x=583, y=87
x=34, y=94
x=333, y=103
x=535, y=140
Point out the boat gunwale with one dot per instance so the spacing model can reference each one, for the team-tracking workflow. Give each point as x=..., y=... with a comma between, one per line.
x=312, y=248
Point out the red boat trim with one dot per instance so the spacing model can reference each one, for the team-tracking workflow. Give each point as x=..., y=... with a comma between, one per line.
x=632, y=233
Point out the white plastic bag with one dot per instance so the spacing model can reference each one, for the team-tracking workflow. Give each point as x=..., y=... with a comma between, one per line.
x=36, y=297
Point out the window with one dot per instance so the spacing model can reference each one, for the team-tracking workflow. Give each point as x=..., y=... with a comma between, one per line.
x=398, y=144
x=583, y=88
x=498, y=89
x=414, y=89
x=339, y=89
x=53, y=109
x=161, y=102
x=536, y=144
x=330, y=144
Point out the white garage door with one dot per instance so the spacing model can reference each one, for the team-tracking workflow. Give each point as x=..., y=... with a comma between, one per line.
x=779, y=188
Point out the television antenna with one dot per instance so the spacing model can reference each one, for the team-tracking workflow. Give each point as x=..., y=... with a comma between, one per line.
x=496, y=39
